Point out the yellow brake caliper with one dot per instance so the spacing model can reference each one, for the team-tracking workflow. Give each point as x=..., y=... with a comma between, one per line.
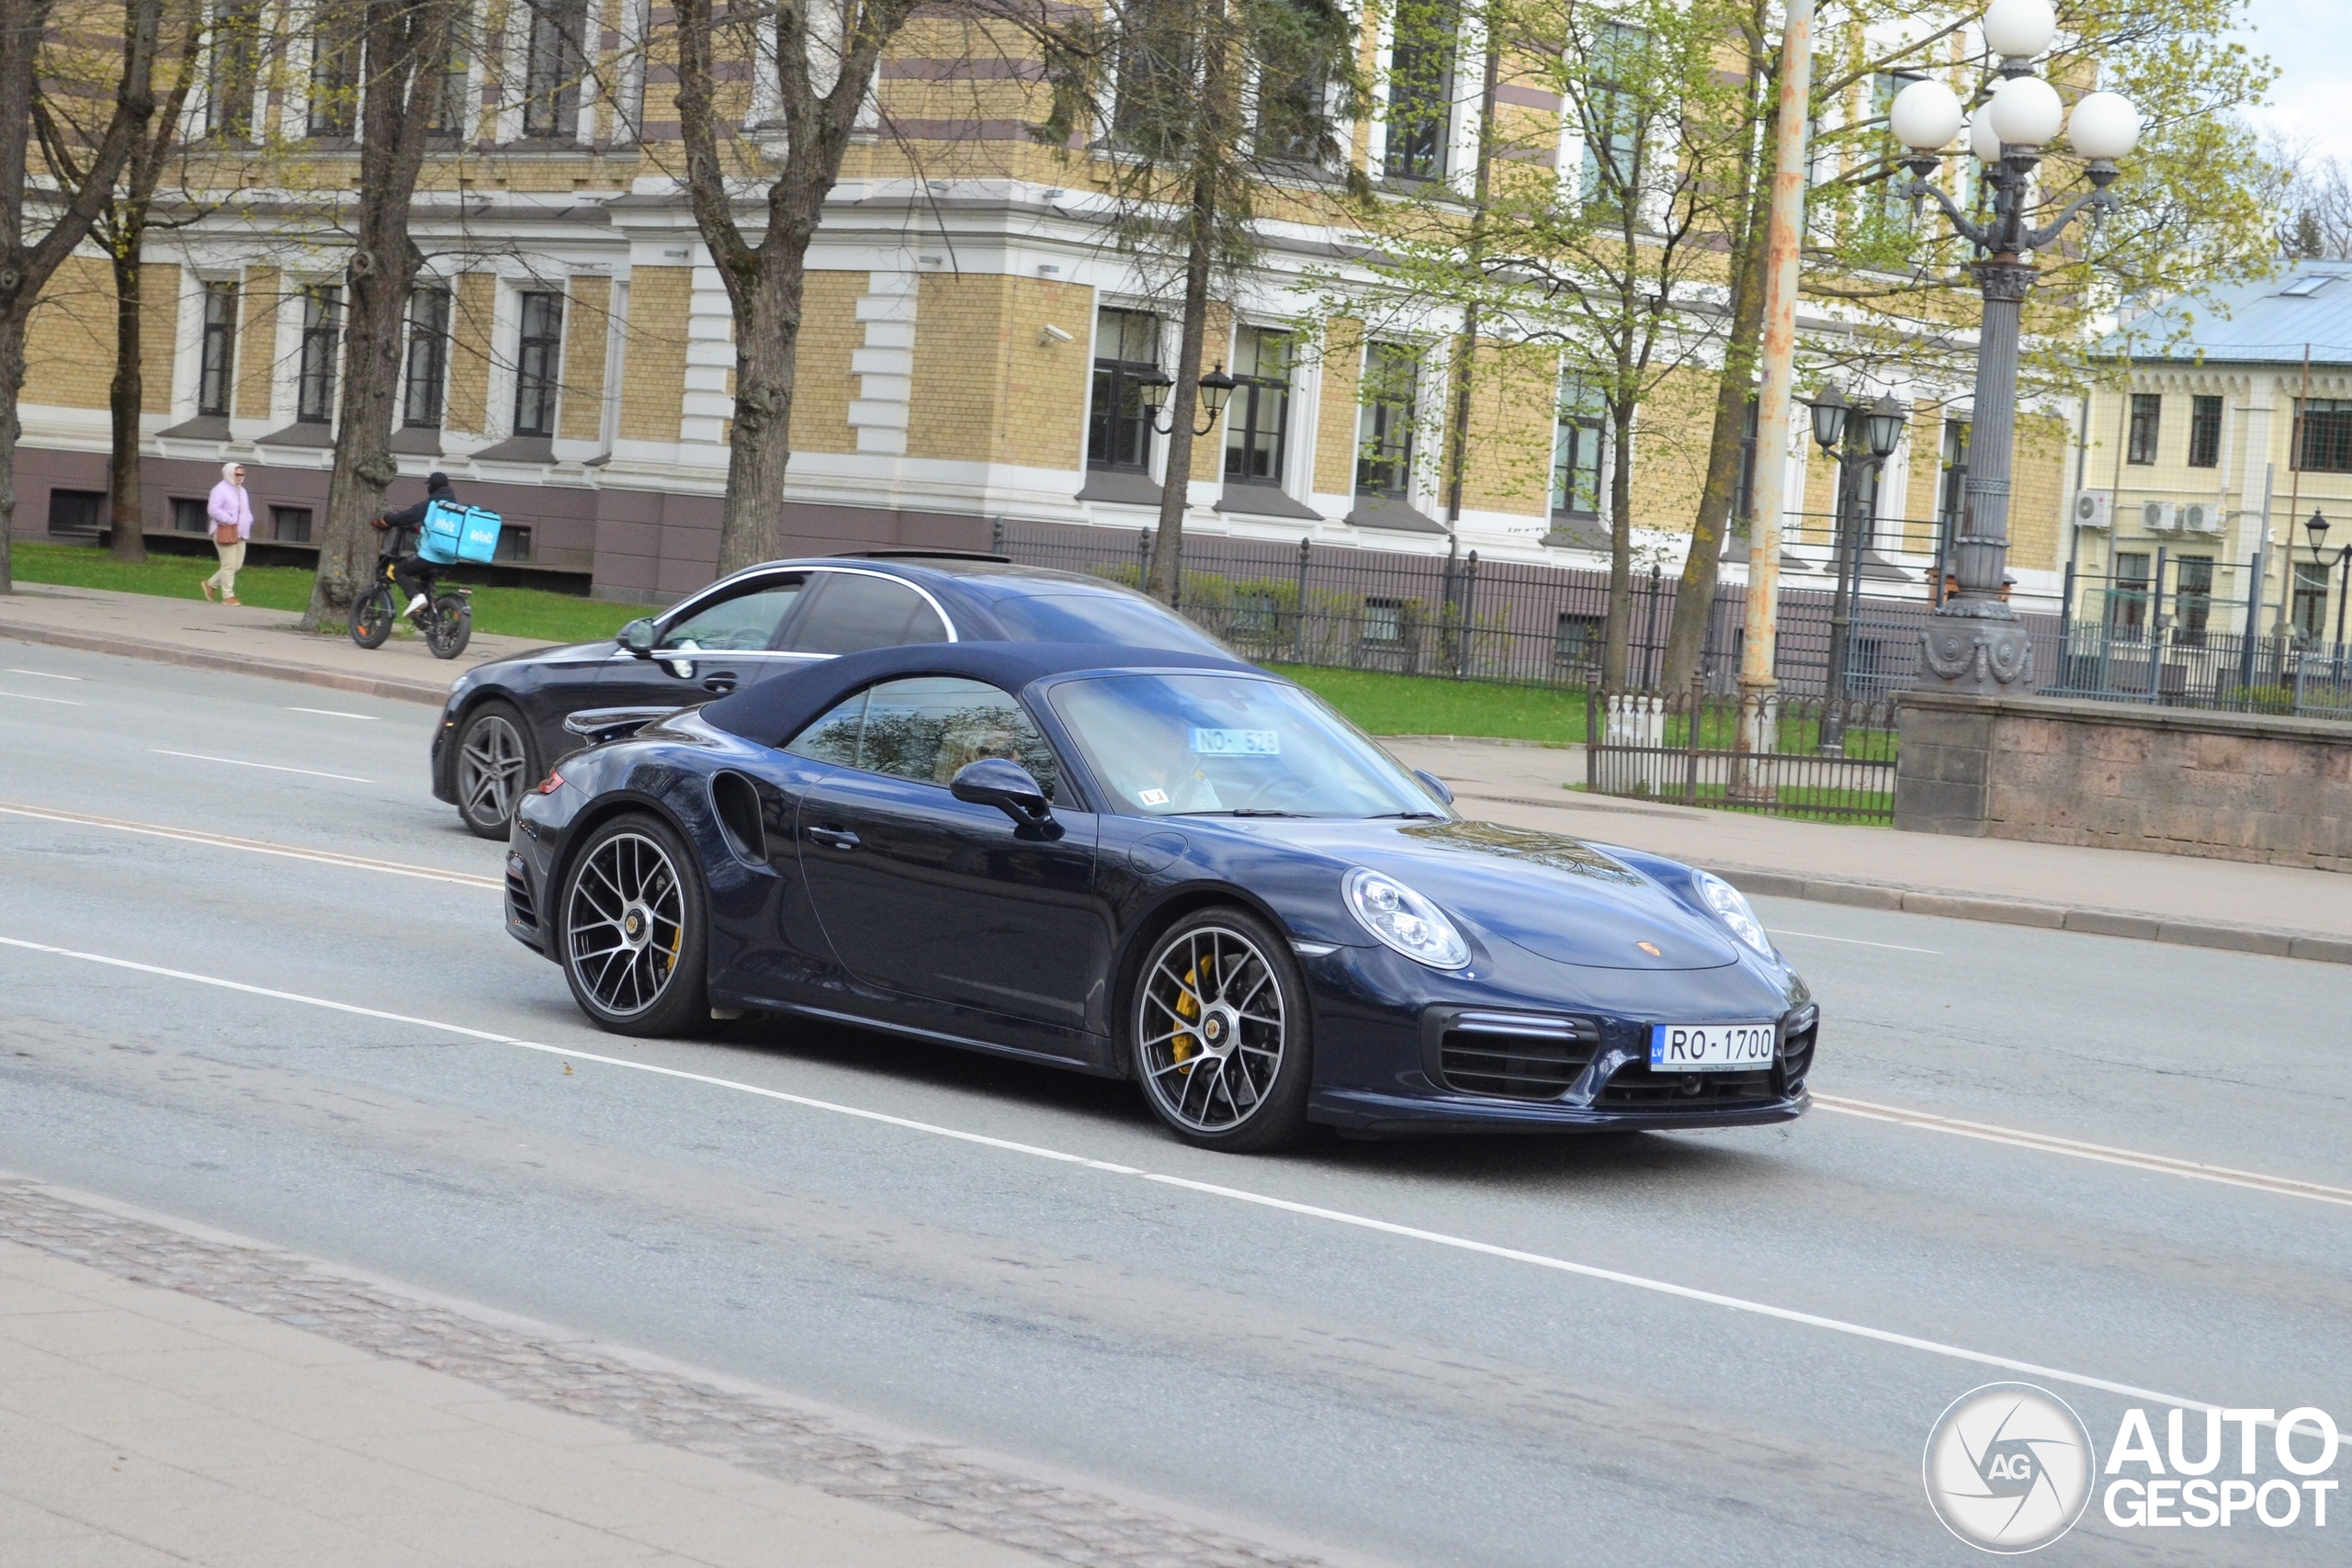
x=1186, y=1046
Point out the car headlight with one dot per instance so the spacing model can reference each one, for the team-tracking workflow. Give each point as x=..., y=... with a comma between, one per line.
x=1404, y=920
x=1732, y=908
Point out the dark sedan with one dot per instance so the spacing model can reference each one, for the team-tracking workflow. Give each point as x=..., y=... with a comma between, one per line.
x=1165, y=866
x=504, y=723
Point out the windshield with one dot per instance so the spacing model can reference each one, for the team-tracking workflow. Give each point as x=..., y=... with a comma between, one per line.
x=1119, y=619
x=1230, y=745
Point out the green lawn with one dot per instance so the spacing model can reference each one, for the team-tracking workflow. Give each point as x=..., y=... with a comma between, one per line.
x=502, y=612
x=1422, y=704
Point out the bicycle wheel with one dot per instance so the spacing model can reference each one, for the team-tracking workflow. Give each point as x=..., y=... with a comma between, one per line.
x=451, y=627
x=371, y=617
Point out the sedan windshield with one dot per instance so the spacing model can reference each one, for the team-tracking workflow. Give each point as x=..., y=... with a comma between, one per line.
x=1231, y=746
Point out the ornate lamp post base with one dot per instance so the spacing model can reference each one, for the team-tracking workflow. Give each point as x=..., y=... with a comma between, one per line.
x=1976, y=646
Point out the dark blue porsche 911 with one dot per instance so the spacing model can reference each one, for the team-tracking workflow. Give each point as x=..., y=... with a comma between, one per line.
x=1159, y=865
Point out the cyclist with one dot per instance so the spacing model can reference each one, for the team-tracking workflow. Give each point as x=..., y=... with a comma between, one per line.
x=411, y=571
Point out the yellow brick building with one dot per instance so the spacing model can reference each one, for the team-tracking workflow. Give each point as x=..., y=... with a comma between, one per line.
x=970, y=352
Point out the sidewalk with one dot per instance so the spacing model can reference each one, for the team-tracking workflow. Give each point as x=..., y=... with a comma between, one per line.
x=2209, y=903
x=141, y=1425
x=241, y=638
x=2282, y=910
x=261, y=1409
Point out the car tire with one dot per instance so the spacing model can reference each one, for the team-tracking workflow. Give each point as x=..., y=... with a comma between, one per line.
x=633, y=932
x=1221, y=1034
x=494, y=763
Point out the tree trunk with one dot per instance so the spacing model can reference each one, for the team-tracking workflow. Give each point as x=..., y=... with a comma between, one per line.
x=11, y=381
x=767, y=346
x=408, y=51
x=1694, y=598
x=1167, y=546
x=364, y=466
x=1619, y=636
x=124, y=503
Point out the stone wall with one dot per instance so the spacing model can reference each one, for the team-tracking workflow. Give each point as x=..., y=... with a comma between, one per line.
x=2115, y=775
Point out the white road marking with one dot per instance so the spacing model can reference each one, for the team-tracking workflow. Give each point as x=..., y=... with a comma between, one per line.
x=1236, y=1194
x=334, y=713
x=1857, y=941
x=29, y=697
x=252, y=846
x=1921, y=1120
x=266, y=767
x=2105, y=1154
x=44, y=674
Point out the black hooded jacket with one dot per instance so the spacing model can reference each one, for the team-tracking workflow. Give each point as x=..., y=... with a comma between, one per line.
x=402, y=524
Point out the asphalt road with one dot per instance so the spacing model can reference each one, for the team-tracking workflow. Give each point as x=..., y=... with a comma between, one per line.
x=1722, y=1348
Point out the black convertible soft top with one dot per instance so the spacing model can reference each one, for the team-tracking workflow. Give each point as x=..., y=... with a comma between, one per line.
x=776, y=710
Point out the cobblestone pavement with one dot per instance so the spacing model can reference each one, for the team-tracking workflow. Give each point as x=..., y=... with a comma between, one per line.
x=760, y=1434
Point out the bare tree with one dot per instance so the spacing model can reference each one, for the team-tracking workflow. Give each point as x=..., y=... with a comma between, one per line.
x=820, y=61
x=1191, y=112
x=122, y=231
x=404, y=49
x=77, y=196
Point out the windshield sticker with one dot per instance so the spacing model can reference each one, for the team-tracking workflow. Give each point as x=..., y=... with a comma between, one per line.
x=1153, y=796
x=1238, y=742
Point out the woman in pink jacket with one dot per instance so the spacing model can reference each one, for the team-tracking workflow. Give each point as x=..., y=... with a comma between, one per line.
x=231, y=512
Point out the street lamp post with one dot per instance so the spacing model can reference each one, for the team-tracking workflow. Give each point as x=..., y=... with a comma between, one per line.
x=1859, y=447
x=1973, y=641
x=2317, y=530
x=1215, y=389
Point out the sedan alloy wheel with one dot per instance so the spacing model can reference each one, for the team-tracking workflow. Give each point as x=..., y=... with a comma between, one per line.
x=494, y=768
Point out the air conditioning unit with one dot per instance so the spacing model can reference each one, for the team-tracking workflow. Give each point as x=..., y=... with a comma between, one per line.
x=2201, y=517
x=2094, y=508
x=2159, y=516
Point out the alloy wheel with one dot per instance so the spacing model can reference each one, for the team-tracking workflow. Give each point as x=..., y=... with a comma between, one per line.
x=1211, y=1027
x=626, y=923
x=490, y=765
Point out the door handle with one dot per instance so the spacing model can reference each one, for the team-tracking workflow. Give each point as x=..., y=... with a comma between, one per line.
x=720, y=683
x=834, y=837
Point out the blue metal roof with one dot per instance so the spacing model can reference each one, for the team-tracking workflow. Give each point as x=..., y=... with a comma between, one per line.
x=2309, y=303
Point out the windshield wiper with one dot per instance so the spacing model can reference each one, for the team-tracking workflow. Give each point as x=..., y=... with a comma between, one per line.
x=1238, y=811
x=1407, y=816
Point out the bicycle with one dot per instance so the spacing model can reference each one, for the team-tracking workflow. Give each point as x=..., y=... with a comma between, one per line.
x=447, y=621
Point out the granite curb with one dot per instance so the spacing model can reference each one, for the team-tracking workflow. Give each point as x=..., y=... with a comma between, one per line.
x=2047, y=917
x=234, y=663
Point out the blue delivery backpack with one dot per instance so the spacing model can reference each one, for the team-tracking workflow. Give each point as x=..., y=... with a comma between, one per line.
x=452, y=534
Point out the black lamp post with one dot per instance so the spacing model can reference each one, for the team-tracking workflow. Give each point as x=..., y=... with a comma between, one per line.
x=1215, y=387
x=1861, y=446
x=2317, y=530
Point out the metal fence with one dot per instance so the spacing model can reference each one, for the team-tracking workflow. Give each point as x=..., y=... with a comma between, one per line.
x=1459, y=617
x=1804, y=757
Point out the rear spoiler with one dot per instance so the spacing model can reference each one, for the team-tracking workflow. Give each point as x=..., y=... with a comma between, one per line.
x=597, y=725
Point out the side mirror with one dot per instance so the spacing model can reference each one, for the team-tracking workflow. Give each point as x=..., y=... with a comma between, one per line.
x=1436, y=786
x=1006, y=785
x=638, y=637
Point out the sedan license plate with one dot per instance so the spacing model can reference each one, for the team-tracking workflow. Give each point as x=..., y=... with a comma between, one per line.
x=1710, y=1047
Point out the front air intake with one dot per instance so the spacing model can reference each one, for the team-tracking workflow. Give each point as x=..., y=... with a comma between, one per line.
x=1515, y=1055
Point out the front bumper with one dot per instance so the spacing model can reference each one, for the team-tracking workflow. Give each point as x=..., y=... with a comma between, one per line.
x=1533, y=1046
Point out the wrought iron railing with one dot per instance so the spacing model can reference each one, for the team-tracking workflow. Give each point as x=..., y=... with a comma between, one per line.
x=1795, y=756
